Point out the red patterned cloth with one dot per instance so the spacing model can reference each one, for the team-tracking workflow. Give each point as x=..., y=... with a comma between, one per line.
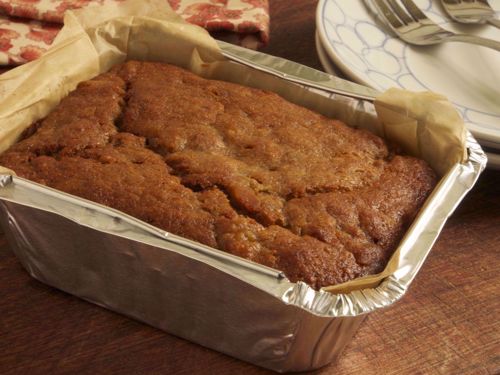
x=28, y=27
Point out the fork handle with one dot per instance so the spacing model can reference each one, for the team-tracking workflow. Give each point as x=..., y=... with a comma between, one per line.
x=465, y=38
x=495, y=22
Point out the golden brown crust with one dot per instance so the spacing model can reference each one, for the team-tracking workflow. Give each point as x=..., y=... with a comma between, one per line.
x=232, y=167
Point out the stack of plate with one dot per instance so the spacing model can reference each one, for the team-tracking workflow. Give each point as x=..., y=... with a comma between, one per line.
x=352, y=40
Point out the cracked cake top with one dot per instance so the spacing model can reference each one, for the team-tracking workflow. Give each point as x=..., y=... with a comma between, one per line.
x=235, y=168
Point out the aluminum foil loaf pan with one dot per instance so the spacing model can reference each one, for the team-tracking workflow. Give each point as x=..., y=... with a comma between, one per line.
x=204, y=295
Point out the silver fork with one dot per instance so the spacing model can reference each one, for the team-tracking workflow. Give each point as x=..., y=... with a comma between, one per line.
x=471, y=11
x=414, y=27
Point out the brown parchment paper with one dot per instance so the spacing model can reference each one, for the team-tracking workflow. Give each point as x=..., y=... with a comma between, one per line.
x=96, y=38
x=425, y=124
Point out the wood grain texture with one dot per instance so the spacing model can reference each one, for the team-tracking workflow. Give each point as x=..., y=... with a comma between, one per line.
x=447, y=323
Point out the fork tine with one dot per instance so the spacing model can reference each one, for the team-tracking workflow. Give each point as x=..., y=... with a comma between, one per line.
x=400, y=12
x=388, y=14
x=422, y=30
x=414, y=11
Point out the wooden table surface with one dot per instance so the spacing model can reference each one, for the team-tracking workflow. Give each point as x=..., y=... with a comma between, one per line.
x=447, y=323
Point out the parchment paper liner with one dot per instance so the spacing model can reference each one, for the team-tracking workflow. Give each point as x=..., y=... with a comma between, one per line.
x=94, y=39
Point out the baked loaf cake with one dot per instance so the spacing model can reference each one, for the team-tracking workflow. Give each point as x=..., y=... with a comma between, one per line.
x=232, y=167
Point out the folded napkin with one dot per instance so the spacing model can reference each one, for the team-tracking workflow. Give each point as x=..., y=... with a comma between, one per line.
x=28, y=27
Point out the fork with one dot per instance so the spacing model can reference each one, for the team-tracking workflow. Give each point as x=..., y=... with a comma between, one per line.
x=414, y=27
x=470, y=11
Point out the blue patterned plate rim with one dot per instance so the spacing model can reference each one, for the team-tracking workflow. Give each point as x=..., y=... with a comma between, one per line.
x=368, y=41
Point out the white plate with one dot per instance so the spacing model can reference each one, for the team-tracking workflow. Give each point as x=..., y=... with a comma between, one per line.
x=328, y=66
x=358, y=43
